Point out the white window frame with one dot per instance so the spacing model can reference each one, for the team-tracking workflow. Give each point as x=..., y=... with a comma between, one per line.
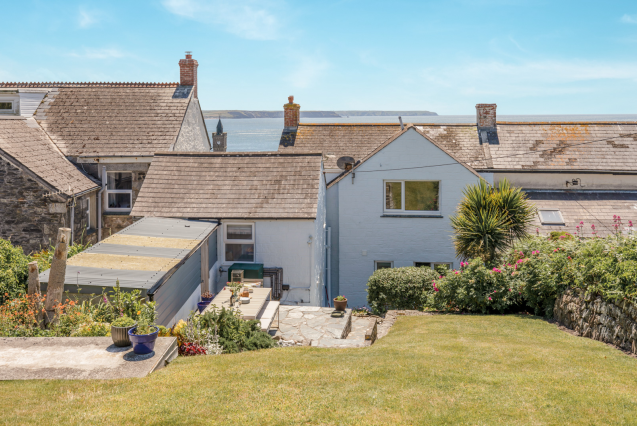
x=226, y=240
x=376, y=262
x=118, y=191
x=402, y=210
x=550, y=223
x=432, y=265
x=13, y=106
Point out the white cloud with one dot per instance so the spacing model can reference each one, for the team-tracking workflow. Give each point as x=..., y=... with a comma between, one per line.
x=249, y=19
x=629, y=19
x=90, y=53
x=308, y=70
x=86, y=19
x=527, y=78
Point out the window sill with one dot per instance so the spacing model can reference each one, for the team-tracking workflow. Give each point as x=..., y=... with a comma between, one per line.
x=415, y=216
x=108, y=213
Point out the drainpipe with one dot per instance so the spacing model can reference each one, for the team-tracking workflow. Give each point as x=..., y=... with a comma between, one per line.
x=99, y=205
x=328, y=265
x=73, y=221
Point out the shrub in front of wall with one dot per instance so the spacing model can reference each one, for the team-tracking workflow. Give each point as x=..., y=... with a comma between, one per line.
x=477, y=288
x=544, y=269
x=14, y=271
x=400, y=288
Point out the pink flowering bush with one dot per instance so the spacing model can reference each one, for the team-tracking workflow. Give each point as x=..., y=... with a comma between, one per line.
x=477, y=288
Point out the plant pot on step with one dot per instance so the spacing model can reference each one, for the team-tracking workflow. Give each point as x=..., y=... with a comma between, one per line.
x=340, y=305
x=143, y=343
x=120, y=335
x=202, y=305
x=206, y=297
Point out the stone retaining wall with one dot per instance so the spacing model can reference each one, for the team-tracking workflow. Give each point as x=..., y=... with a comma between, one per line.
x=608, y=322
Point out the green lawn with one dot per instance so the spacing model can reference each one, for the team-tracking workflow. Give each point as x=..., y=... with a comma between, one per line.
x=428, y=370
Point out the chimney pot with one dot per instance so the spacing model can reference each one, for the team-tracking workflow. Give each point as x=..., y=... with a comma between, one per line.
x=291, y=115
x=485, y=115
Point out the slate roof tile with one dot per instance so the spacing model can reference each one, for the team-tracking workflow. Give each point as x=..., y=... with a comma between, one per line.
x=231, y=186
x=31, y=147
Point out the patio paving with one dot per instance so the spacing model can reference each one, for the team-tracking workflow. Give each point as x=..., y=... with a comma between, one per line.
x=313, y=325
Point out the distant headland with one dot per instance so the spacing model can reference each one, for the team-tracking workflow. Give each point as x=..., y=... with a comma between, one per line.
x=210, y=114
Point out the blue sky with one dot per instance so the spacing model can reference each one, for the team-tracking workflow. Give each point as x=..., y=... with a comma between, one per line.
x=529, y=57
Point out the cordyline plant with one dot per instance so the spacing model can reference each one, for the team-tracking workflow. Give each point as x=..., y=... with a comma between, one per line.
x=489, y=220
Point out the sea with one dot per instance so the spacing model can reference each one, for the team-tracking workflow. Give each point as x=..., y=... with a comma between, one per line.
x=263, y=134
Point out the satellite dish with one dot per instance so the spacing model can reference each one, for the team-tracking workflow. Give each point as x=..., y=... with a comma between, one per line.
x=345, y=163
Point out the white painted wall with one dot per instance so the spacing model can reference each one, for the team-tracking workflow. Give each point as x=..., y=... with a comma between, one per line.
x=281, y=243
x=401, y=240
x=190, y=305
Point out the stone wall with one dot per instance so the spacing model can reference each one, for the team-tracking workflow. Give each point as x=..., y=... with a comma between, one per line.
x=28, y=217
x=113, y=223
x=608, y=322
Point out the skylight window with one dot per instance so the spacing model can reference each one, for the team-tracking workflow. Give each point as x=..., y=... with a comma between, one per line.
x=551, y=217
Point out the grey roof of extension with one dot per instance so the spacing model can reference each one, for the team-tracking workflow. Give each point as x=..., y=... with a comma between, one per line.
x=24, y=143
x=590, y=207
x=524, y=146
x=112, y=119
x=240, y=185
x=171, y=241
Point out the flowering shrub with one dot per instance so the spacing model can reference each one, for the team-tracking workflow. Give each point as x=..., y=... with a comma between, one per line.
x=191, y=349
x=400, y=288
x=476, y=288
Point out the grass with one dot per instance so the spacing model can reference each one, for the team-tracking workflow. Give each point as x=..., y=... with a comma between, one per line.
x=429, y=370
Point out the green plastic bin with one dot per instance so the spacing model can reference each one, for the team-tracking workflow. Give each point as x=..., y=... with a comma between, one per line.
x=251, y=271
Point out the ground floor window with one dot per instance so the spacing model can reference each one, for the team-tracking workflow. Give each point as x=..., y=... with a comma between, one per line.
x=439, y=267
x=381, y=264
x=239, y=242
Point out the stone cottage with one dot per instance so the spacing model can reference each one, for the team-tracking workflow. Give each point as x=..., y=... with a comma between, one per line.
x=112, y=130
x=40, y=190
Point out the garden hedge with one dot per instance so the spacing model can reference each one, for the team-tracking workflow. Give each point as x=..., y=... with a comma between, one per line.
x=400, y=288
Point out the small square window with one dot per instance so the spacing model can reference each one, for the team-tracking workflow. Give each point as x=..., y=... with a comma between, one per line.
x=551, y=217
x=6, y=107
x=422, y=264
x=379, y=264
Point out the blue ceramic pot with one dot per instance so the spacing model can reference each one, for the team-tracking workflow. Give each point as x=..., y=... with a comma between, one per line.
x=202, y=306
x=143, y=343
x=206, y=299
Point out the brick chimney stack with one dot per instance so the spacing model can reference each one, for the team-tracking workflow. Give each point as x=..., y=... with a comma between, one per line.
x=291, y=114
x=485, y=114
x=188, y=72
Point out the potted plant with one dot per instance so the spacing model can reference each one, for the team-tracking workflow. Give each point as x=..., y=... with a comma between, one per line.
x=143, y=337
x=206, y=297
x=340, y=303
x=203, y=305
x=119, y=330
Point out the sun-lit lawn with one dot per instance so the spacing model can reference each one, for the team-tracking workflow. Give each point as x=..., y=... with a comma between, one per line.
x=428, y=370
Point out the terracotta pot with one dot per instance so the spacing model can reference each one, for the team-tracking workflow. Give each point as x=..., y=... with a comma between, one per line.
x=340, y=305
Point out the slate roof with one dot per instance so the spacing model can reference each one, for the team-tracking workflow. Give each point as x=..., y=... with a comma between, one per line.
x=593, y=146
x=590, y=207
x=393, y=138
x=259, y=185
x=30, y=146
x=112, y=119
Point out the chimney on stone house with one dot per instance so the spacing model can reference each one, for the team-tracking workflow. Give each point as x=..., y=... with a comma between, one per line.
x=291, y=115
x=485, y=114
x=188, y=72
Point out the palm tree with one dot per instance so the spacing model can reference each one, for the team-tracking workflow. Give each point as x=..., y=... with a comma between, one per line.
x=489, y=220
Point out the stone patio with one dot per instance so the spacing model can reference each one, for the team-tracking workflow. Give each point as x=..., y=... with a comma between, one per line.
x=311, y=325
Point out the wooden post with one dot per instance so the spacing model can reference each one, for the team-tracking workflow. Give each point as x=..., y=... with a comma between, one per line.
x=34, y=279
x=55, y=287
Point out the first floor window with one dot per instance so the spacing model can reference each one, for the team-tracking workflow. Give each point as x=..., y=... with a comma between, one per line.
x=380, y=264
x=403, y=196
x=6, y=107
x=119, y=191
x=239, y=242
